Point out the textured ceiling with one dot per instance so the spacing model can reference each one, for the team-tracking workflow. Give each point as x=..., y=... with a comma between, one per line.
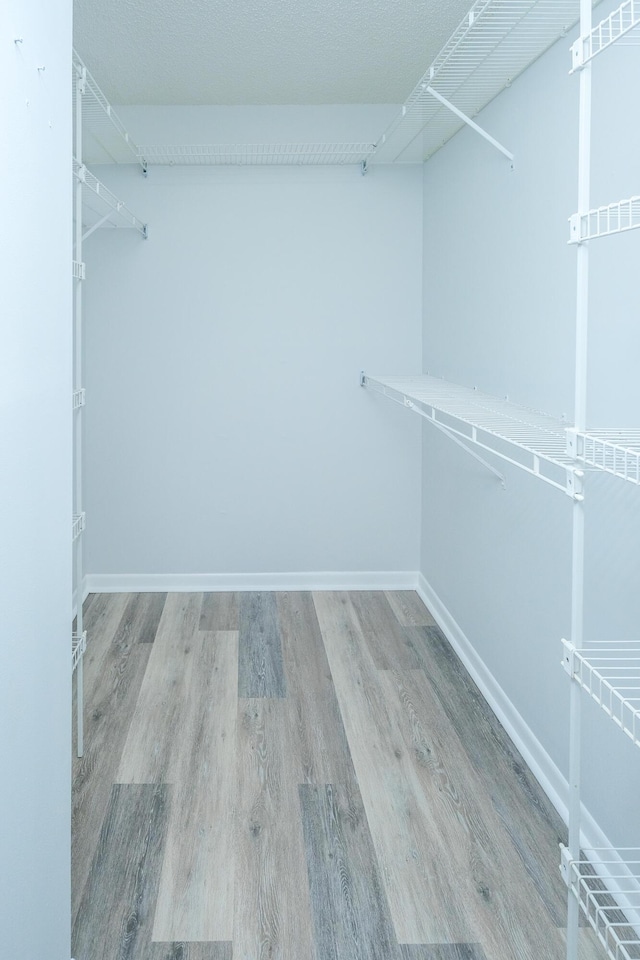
x=261, y=51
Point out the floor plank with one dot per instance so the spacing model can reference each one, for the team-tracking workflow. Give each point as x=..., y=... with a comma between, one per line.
x=113, y=674
x=322, y=745
x=412, y=857
x=188, y=951
x=492, y=889
x=260, y=671
x=527, y=815
x=272, y=911
x=142, y=616
x=409, y=608
x=388, y=642
x=195, y=898
x=219, y=611
x=151, y=752
x=115, y=916
x=349, y=906
x=443, y=951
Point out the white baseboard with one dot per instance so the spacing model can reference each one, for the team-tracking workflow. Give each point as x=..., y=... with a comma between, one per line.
x=545, y=771
x=197, y=582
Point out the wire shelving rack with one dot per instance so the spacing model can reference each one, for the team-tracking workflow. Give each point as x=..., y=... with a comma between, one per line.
x=254, y=154
x=100, y=121
x=610, y=674
x=618, y=217
x=614, y=451
x=101, y=207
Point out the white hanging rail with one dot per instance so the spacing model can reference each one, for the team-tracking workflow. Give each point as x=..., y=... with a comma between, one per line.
x=617, y=217
x=613, y=28
x=257, y=153
x=610, y=674
x=606, y=885
x=495, y=42
x=615, y=451
x=101, y=124
x=533, y=441
x=116, y=215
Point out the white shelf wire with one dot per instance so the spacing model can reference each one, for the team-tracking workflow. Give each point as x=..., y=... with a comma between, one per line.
x=615, y=451
x=533, y=441
x=78, y=647
x=493, y=45
x=616, y=217
x=606, y=884
x=78, y=525
x=616, y=26
x=105, y=135
x=101, y=207
x=610, y=674
x=256, y=153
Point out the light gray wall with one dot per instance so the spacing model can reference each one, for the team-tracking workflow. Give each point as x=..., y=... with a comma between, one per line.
x=499, y=313
x=226, y=431
x=35, y=481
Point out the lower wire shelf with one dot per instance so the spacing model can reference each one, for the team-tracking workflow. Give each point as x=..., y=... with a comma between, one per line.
x=610, y=674
x=606, y=884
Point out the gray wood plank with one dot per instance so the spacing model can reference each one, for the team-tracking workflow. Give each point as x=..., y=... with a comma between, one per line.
x=350, y=911
x=116, y=913
x=195, y=896
x=388, y=641
x=188, y=951
x=142, y=616
x=152, y=750
x=409, y=608
x=322, y=748
x=260, y=670
x=442, y=951
x=113, y=675
x=272, y=911
x=219, y=611
x=527, y=815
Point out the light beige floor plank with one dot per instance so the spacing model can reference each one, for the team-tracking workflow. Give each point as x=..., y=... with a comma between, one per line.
x=151, y=752
x=413, y=859
x=321, y=746
x=389, y=642
x=272, y=910
x=492, y=886
x=409, y=608
x=195, y=898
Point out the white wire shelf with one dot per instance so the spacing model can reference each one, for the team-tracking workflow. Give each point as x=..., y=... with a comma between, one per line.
x=615, y=451
x=256, y=154
x=610, y=674
x=78, y=525
x=613, y=28
x=533, y=441
x=607, y=886
x=101, y=207
x=78, y=647
x=617, y=217
x=102, y=127
x=493, y=45
x=78, y=398
x=78, y=270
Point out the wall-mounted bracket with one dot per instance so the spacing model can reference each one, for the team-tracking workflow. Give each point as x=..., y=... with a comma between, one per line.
x=145, y=167
x=78, y=398
x=78, y=270
x=565, y=864
x=575, y=484
x=567, y=656
x=471, y=123
x=364, y=167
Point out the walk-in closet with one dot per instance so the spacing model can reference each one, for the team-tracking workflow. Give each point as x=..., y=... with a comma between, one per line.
x=289, y=672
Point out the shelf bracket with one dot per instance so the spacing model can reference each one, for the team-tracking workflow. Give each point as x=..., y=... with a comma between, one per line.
x=567, y=657
x=471, y=123
x=460, y=443
x=364, y=167
x=96, y=226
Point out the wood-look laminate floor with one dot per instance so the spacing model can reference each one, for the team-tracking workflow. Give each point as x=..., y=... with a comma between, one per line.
x=301, y=776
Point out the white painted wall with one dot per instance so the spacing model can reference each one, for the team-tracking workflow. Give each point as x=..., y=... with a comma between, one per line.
x=35, y=481
x=226, y=431
x=499, y=313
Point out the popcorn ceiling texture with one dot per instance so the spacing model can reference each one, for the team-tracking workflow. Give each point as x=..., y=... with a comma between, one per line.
x=261, y=51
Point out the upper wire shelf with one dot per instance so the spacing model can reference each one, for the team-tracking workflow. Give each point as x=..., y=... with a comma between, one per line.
x=607, y=886
x=616, y=217
x=610, y=674
x=615, y=451
x=106, y=209
x=495, y=42
x=533, y=441
x=257, y=153
x=100, y=122
x=611, y=29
